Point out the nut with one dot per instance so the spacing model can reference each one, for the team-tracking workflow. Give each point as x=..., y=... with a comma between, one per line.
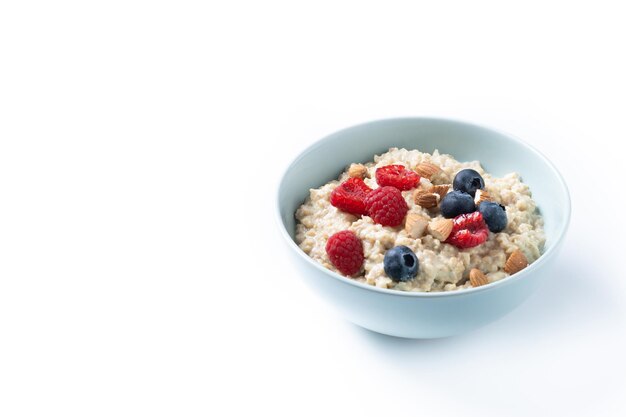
x=477, y=278
x=357, y=171
x=427, y=170
x=516, y=262
x=440, y=228
x=441, y=190
x=481, y=195
x=425, y=199
x=415, y=225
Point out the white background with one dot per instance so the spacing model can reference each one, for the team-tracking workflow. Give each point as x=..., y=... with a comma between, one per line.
x=141, y=272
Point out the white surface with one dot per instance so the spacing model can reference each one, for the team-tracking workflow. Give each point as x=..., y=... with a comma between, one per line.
x=140, y=142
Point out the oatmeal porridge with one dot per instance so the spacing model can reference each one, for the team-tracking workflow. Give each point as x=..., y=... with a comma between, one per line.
x=415, y=221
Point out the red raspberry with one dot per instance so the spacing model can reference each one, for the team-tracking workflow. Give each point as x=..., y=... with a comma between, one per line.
x=469, y=230
x=345, y=251
x=397, y=176
x=350, y=195
x=386, y=206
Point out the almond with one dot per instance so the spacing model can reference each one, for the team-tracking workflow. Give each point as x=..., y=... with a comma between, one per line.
x=477, y=278
x=440, y=228
x=441, y=190
x=357, y=171
x=425, y=199
x=415, y=225
x=426, y=169
x=481, y=195
x=516, y=262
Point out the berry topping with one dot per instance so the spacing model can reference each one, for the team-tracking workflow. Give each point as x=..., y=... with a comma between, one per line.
x=386, y=206
x=469, y=230
x=397, y=176
x=345, y=251
x=455, y=203
x=494, y=215
x=468, y=181
x=401, y=264
x=350, y=195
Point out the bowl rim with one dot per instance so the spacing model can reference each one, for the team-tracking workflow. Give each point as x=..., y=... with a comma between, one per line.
x=548, y=254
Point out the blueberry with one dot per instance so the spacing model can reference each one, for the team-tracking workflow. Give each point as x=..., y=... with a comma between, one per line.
x=401, y=264
x=455, y=203
x=494, y=215
x=468, y=181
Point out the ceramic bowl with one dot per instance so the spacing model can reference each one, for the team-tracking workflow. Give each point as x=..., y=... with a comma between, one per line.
x=415, y=314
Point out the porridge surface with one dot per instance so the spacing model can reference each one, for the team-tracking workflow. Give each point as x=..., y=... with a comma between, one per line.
x=442, y=266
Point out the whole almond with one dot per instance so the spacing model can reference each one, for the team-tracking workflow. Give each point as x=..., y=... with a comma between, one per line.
x=441, y=190
x=427, y=170
x=415, y=225
x=440, y=228
x=481, y=195
x=357, y=171
x=516, y=262
x=477, y=278
x=425, y=199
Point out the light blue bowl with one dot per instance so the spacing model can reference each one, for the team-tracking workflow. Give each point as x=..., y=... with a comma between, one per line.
x=424, y=315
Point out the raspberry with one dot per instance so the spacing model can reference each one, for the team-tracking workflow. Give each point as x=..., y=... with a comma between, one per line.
x=386, y=206
x=345, y=251
x=350, y=195
x=469, y=230
x=397, y=176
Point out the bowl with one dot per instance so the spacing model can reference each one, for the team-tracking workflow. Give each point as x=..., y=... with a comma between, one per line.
x=419, y=314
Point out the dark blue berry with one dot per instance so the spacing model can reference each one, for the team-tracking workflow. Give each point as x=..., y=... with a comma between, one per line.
x=455, y=203
x=494, y=215
x=468, y=181
x=401, y=264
